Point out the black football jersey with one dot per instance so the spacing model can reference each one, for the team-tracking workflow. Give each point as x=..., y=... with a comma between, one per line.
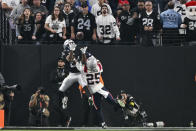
x=27, y=28
x=149, y=20
x=85, y=24
x=191, y=29
x=71, y=66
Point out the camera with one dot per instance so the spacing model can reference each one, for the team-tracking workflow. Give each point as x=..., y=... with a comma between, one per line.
x=121, y=97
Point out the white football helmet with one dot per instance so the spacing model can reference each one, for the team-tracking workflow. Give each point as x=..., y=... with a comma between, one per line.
x=67, y=43
x=92, y=64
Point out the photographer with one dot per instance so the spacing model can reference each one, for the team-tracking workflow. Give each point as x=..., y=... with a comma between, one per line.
x=133, y=113
x=38, y=107
x=6, y=97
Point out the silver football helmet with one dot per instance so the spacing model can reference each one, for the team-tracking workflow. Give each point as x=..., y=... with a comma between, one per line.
x=67, y=43
x=92, y=64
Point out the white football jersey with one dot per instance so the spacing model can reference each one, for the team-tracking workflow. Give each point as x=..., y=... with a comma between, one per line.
x=107, y=27
x=181, y=9
x=96, y=9
x=55, y=24
x=92, y=77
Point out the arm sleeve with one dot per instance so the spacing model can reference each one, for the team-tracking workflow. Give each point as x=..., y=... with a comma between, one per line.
x=18, y=30
x=48, y=19
x=34, y=29
x=110, y=10
x=179, y=20
x=13, y=14
x=98, y=30
x=45, y=11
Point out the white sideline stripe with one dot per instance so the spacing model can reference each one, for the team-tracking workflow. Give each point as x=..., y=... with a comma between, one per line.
x=108, y=128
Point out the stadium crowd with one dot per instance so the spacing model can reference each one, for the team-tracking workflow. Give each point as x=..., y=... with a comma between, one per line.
x=133, y=22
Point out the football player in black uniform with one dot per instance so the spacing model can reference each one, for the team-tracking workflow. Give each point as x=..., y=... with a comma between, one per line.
x=149, y=24
x=74, y=73
x=68, y=15
x=84, y=25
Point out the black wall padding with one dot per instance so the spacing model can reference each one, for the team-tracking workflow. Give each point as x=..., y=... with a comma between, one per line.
x=161, y=78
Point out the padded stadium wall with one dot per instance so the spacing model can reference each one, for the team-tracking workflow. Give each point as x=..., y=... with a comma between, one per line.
x=161, y=78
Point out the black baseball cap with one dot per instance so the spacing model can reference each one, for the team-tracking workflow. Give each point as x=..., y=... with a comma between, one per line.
x=60, y=59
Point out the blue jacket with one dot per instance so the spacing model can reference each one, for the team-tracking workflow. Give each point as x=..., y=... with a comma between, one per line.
x=170, y=19
x=78, y=4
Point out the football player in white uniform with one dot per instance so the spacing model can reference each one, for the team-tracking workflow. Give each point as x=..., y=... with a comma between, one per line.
x=92, y=69
x=107, y=29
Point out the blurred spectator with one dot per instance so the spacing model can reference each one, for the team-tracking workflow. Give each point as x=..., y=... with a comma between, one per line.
x=73, y=7
x=9, y=5
x=128, y=28
x=37, y=7
x=117, y=16
x=149, y=24
x=162, y=4
x=121, y=2
x=180, y=7
x=92, y=2
x=190, y=22
x=60, y=4
x=113, y=4
x=68, y=16
x=80, y=2
x=38, y=108
x=49, y=4
x=26, y=28
x=132, y=3
x=171, y=21
x=55, y=26
x=41, y=32
x=96, y=8
x=84, y=25
x=139, y=8
x=107, y=29
x=18, y=10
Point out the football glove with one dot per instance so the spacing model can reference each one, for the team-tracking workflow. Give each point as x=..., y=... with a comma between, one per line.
x=72, y=46
x=83, y=50
x=90, y=101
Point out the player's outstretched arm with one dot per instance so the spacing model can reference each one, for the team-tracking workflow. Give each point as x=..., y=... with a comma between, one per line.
x=72, y=47
x=83, y=50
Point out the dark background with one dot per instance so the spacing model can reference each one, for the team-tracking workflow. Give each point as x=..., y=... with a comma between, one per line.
x=161, y=78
